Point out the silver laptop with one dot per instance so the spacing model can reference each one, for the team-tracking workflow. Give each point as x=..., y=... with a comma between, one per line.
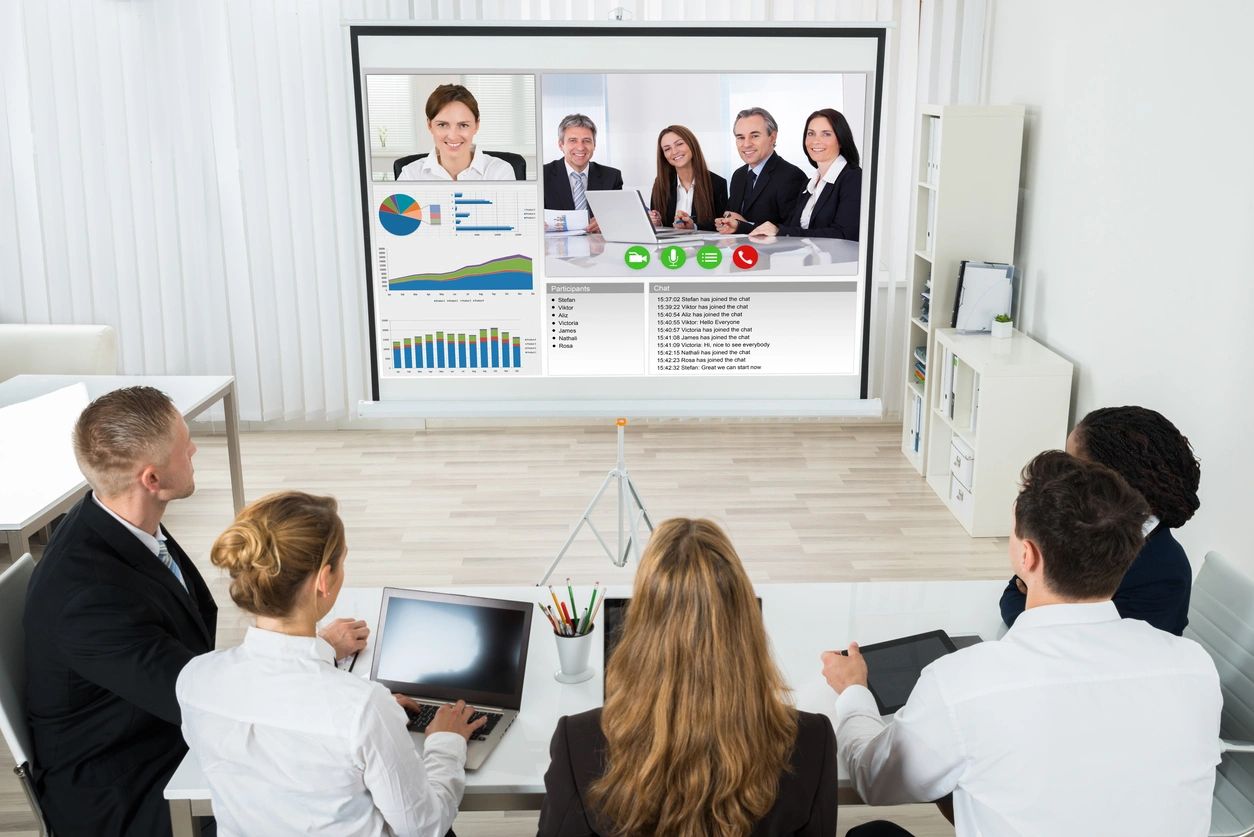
x=440, y=647
x=624, y=217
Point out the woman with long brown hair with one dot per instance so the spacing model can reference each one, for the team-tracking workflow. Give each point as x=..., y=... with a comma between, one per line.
x=697, y=736
x=686, y=194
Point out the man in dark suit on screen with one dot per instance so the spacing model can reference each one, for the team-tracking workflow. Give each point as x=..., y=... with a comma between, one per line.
x=568, y=180
x=114, y=610
x=767, y=186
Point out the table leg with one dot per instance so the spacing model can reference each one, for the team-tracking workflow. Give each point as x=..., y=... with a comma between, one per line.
x=232, y=448
x=19, y=544
x=181, y=820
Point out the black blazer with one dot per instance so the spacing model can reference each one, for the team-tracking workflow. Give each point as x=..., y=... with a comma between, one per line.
x=805, y=806
x=108, y=629
x=774, y=193
x=835, y=212
x=557, y=185
x=1155, y=589
x=718, y=197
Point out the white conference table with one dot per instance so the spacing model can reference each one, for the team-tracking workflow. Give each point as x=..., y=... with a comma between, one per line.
x=802, y=621
x=591, y=256
x=192, y=395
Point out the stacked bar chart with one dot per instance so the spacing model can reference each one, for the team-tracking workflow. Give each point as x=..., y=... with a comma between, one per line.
x=488, y=348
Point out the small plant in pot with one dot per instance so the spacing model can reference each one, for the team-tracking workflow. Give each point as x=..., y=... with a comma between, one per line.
x=1003, y=326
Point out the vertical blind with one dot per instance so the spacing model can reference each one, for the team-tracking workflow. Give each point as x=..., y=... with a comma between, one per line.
x=186, y=172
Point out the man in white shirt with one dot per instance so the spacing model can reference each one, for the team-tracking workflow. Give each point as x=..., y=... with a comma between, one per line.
x=1077, y=722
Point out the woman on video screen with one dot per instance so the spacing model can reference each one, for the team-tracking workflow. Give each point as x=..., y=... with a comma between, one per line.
x=831, y=203
x=453, y=120
x=686, y=194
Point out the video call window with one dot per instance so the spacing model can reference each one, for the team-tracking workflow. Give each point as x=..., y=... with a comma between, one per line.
x=399, y=129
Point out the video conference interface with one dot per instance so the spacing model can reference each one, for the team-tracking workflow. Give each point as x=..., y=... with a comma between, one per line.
x=480, y=648
x=490, y=258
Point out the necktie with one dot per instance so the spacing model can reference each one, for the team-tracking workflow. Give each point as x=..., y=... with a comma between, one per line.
x=752, y=179
x=577, y=189
x=168, y=560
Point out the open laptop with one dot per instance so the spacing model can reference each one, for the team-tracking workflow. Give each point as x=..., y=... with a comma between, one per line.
x=624, y=217
x=440, y=647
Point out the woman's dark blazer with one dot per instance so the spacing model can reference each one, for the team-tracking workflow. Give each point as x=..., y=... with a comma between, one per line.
x=718, y=196
x=805, y=806
x=835, y=214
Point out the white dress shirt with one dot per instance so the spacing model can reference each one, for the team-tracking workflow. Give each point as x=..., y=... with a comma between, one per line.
x=1076, y=722
x=816, y=184
x=482, y=167
x=683, y=197
x=292, y=745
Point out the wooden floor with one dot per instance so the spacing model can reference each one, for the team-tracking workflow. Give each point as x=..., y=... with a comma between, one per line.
x=802, y=501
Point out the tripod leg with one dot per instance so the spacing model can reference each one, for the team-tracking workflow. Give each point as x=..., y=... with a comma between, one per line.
x=636, y=496
x=573, y=532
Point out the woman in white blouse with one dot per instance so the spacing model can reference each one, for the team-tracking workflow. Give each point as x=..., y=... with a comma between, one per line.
x=453, y=120
x=289, y=743
x=686, y=194
x=830, y=206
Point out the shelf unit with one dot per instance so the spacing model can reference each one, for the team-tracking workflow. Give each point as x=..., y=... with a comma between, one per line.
x=1011, y=398
x=965, y=206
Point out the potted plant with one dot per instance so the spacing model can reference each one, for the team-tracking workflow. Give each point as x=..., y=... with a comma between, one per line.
x=1003, y=326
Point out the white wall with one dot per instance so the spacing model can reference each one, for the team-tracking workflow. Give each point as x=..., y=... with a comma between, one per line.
x=1137, y=219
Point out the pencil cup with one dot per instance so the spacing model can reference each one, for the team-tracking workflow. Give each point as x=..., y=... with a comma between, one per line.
x=572, y=656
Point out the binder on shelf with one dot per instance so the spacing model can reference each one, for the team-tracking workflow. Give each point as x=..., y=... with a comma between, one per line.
x=975, y=401
x=931, y=222
x=947, y=383
x=985, y=290
x=933, y=150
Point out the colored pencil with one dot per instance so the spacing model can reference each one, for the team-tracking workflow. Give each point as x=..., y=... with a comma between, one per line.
x=571, y=590
x=593, y=618
x=550, y=618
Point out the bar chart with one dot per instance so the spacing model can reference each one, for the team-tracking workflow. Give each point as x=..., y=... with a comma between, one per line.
x=492, y=348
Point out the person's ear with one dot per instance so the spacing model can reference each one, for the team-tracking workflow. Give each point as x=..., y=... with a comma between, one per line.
x=1030, y=559
x=323, y=583
x=150, y=479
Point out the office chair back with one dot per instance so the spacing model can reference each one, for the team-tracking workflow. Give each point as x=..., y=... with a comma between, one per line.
x=13, y=724
x=516, y=161
x=1221, y=620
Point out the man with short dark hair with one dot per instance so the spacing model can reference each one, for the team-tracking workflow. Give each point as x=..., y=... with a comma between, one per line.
x=1077, y=721
x=567, y=181
x=114, y=610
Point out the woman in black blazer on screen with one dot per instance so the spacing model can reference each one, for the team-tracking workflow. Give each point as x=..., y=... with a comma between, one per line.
x=697, y=736
x=831, y=203
x=686, y=194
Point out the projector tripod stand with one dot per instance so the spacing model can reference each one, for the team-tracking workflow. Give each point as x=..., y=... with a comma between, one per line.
x=631, y=512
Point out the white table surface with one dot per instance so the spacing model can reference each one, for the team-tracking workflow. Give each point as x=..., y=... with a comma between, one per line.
x=591, y=256
x=192, y=395
x=802, y=621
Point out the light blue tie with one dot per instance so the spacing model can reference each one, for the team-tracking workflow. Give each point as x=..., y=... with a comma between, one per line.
x=577, y=190
x=170, y=564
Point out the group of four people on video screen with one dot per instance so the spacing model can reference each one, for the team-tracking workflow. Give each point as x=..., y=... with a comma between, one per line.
x=768, y=195
x=697, y=735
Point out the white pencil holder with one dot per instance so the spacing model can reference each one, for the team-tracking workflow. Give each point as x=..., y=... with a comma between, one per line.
x=572, y=657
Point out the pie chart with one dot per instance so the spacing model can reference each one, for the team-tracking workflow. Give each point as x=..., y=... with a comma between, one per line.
x=400, y=214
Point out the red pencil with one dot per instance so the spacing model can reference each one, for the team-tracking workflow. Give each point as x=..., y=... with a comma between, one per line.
x=565, y=615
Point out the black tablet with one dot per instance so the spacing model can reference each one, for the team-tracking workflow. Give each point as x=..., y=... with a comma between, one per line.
x=894, y=667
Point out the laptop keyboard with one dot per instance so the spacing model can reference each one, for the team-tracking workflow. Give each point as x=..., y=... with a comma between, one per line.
x=418, y=721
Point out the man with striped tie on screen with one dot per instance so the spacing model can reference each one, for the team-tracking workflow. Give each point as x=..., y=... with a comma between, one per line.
x=114, y=610
x=567, y=181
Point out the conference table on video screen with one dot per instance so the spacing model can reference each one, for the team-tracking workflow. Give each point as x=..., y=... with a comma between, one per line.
x=802, y=621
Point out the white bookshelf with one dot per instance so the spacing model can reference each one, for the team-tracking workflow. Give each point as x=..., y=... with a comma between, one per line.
x=1010, y=400
x=965, y=207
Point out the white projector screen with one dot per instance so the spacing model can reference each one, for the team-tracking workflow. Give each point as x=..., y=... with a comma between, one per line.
x=491, y=293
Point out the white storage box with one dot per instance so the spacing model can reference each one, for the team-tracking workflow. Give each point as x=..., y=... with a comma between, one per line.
x=961, y=462
x=961, y=501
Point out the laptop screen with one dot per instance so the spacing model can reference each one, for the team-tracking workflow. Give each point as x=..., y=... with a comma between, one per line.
x=449, y=647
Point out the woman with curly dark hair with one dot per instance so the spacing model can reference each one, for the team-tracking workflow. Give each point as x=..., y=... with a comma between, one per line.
x=1157, y=460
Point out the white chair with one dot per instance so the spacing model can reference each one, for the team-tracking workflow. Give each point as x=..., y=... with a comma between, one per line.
x=37, y=349
x=13, y=679
x=1221, y=620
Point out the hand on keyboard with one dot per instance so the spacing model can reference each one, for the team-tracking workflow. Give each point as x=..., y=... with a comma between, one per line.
x=458, y=718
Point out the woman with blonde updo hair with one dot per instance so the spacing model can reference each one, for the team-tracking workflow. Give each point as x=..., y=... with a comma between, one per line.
x=697, y=737
x=289, y=743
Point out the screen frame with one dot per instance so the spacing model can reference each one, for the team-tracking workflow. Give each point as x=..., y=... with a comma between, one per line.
x=868, y=651
x=877, y=32
x=502, y=700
